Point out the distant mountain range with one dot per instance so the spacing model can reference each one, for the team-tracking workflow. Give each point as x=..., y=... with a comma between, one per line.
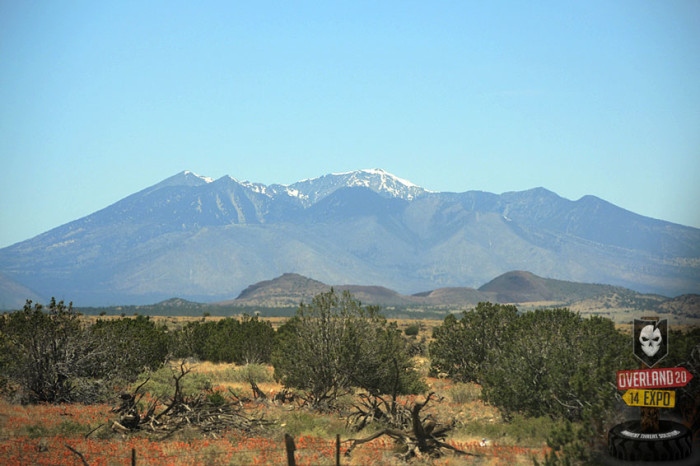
x=524, y=289
x=282, y=295
x=206, y=240
x=517, y=287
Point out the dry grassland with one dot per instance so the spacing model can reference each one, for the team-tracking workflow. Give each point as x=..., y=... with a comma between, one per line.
x=41, y=434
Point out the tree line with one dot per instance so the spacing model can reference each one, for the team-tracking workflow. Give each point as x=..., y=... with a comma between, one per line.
x=549, y=362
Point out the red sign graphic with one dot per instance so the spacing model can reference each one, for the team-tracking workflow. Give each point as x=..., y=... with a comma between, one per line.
x=653, y=378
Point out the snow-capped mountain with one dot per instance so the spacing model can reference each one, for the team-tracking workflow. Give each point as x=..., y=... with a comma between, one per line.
x=197, y=238
x=310, y=191
x=377, y=180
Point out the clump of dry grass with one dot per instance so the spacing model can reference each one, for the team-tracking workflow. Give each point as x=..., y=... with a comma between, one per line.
x=464, y=393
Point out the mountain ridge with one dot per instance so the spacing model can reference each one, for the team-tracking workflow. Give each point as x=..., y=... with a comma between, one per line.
x=514, y=287
x=520, y=288
x=208, y=239
x=281, y=295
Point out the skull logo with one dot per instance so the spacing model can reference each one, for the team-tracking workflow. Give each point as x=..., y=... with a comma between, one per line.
x=650, y=338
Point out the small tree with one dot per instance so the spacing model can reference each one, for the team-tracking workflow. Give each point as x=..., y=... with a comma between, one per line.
x=558, y=364
x=464, y=348
x=53, y=358
x=336, y=344
x=257, y=339
x=249, y=340
x=545, y=362
x=221, y=344
x=134, y=345
x=47, y=352
x=382, y=360
x=191, y=339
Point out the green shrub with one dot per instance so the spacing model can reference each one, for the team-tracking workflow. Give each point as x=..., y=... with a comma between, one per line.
x=558, y=364
x=216, y=398
x=463, y=348
x=135, y=345
x=249, y=340
x=569, y=444
x=336, y=344
x=548, y=362
x=50, y=356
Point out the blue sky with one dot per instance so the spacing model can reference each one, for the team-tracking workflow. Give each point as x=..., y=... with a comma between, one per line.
x=101, y=99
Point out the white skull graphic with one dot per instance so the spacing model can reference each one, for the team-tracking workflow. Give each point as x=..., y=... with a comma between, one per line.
x=650, y=338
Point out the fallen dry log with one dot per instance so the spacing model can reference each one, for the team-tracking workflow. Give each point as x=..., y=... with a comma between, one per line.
x=375, y=408
x=209, y=414
x=424, y=437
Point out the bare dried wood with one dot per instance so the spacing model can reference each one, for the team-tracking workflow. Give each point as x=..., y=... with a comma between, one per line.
x=423, y=437
x=198, y=411
x=80, y=455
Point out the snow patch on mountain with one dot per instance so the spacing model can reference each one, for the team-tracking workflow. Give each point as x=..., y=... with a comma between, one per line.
x=258, y=188
x=206, y=179
x=382, y=182
x=308, y=192
x=295, y=193
x=384, y=175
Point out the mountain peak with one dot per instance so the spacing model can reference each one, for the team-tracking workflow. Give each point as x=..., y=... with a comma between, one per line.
x=518, y=286
x=378, y=180
x=365, y=173
x=193, y=176
x=184, y=178
x=288, y=289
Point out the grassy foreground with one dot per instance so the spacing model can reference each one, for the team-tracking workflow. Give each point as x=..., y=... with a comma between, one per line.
x=60, y=434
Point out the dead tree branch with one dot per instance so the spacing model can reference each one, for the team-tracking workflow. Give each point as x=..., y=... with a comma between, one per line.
x=208, y=414
x=422, y=436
